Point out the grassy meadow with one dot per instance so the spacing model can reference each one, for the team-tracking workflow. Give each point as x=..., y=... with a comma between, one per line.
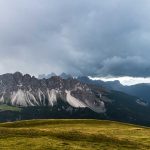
x=7, y=107
x=73, y=135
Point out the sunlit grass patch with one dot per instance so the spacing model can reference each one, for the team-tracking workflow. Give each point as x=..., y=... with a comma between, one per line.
x=73, y=134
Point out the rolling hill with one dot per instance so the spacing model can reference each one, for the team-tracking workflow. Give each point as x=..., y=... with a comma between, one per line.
x=73, y=134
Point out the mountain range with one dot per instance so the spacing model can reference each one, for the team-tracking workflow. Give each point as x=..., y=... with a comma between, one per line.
x=140, y=90
x=27, y=97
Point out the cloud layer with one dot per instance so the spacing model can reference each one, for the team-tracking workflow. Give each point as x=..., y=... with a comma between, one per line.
x=96, y=38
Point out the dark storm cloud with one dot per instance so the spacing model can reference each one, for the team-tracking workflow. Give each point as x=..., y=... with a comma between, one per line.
x=96, y=38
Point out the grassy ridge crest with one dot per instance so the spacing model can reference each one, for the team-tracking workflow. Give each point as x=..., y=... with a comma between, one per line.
x=73, y=134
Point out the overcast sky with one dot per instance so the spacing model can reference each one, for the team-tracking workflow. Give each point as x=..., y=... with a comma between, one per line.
x=81, y=37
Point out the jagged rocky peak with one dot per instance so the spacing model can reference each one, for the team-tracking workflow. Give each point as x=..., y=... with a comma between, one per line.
x=65, y=76
x=62, y=75
x=43, y=76
x=27, y=78
x=23, y=90
x=18, y=76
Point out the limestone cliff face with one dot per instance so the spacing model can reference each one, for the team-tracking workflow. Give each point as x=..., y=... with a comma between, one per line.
x=23, y=90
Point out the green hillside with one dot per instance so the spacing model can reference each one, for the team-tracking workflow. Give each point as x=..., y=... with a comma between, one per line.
x=72, y=135
x=7, y=107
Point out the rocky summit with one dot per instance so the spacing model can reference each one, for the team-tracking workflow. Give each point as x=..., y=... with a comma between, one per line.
x=23, y=90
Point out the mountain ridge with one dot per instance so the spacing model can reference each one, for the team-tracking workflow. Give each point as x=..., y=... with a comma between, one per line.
x=66, y=98
x=140, y=90
x=24, y=90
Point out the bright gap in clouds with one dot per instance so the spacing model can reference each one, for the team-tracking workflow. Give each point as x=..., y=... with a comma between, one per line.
x=124, y=80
